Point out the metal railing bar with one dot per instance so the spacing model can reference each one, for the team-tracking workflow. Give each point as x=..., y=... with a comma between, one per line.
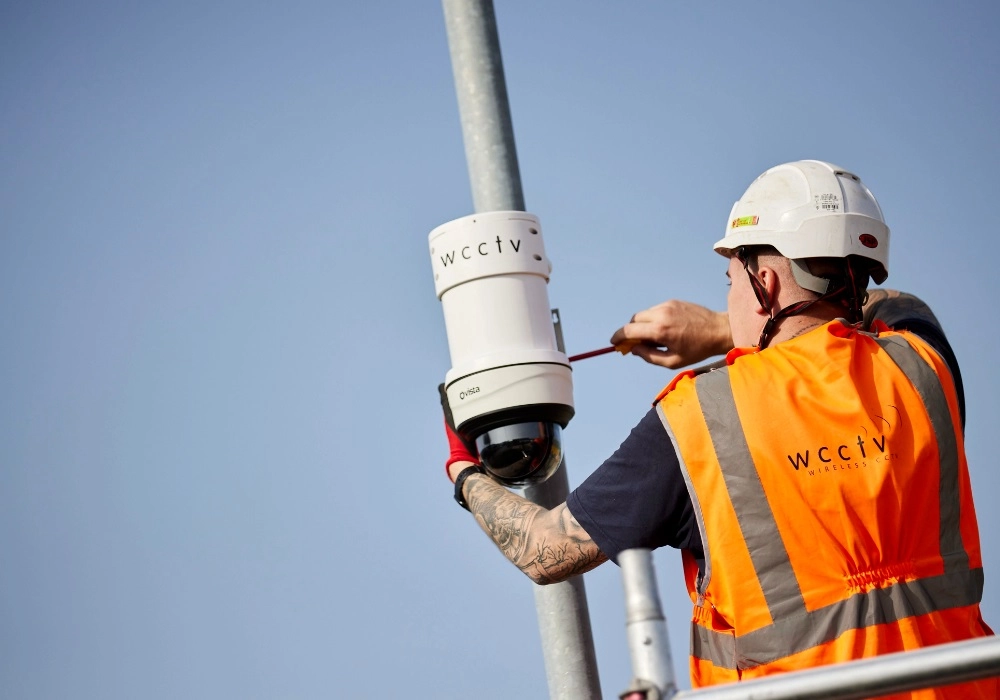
x=934, y=666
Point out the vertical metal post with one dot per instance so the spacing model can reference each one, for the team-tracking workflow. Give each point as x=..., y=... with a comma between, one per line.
x=563, y=617
x=482, y=105
x=646, y=628
x=474, y=44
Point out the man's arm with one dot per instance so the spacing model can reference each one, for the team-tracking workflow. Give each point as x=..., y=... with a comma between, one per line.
x=893, y=308
x=547, y=545
x=679, y=333
x=905, y=312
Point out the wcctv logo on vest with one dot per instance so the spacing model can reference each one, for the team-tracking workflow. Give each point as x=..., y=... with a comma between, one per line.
x=860, y=451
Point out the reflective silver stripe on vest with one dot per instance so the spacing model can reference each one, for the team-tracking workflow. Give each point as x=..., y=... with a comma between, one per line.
x=756, y=520
x=928, y=385
x=699, y=516
x=794, y=628
x=877, y=606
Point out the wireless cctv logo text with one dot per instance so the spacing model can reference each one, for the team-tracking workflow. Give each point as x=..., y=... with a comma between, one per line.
x=481, y=249
x=855, y=453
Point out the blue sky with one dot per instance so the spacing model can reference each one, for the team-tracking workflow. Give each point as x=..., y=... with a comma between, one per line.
x=220, y=445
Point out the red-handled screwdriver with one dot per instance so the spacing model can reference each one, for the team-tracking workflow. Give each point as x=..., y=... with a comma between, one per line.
x=624, y=348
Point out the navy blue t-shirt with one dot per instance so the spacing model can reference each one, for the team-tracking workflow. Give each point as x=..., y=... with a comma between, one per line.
x=638, y=497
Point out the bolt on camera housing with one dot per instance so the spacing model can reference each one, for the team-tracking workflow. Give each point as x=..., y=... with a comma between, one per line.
x=510, y=388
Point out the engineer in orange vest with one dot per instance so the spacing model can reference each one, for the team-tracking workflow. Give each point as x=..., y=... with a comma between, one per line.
x=815, y=480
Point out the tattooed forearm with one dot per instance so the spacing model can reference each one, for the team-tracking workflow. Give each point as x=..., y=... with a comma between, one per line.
x=505, y=517
x=548, y=546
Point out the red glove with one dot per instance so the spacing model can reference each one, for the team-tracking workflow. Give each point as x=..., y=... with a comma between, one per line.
x=458, y=450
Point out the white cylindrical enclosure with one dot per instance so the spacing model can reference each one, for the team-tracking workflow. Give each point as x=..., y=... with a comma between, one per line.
x=490, y=273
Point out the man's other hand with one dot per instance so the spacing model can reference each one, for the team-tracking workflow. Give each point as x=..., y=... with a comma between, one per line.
x=676, y=333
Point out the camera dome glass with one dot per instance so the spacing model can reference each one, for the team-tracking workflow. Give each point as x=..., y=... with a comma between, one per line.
x=522, y=454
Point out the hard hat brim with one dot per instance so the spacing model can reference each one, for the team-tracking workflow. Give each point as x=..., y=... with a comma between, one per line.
x=826, y=237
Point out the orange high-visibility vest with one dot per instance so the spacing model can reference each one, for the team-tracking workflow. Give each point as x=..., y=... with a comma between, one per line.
x=829, y=482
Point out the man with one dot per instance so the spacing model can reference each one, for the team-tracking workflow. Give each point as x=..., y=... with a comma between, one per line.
x=815, y=480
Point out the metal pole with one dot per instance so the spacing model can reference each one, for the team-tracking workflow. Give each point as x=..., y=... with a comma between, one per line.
x=482, y=105
x=645, y=626
x=933, y=666
x=563, y=618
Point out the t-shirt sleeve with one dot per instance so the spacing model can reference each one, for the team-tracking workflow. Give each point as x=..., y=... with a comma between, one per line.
x=906, y=312
x=638, y=497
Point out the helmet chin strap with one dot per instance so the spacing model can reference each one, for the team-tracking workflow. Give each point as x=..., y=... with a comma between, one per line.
x=813, y=283
x=772, y=322
x=853, y=301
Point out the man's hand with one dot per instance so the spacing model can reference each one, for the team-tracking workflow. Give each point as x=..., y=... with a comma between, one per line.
x=460, y=453
x=676, y=333
x=459, y=456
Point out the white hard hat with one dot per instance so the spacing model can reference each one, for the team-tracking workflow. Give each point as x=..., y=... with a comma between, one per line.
x=810, y=209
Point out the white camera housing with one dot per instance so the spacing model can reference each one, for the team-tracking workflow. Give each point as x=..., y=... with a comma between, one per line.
x=490, y=273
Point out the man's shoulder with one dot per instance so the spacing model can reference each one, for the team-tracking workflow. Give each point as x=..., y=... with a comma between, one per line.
x=690, y=374
x=895, y=308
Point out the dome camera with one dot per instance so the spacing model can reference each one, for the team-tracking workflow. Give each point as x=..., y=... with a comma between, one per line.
x=510, y=388
x=523, y=454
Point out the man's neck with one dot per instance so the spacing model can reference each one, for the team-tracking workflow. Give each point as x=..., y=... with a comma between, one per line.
x=815, y=316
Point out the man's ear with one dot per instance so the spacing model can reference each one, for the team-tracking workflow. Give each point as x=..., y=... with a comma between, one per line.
x=768, y=277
